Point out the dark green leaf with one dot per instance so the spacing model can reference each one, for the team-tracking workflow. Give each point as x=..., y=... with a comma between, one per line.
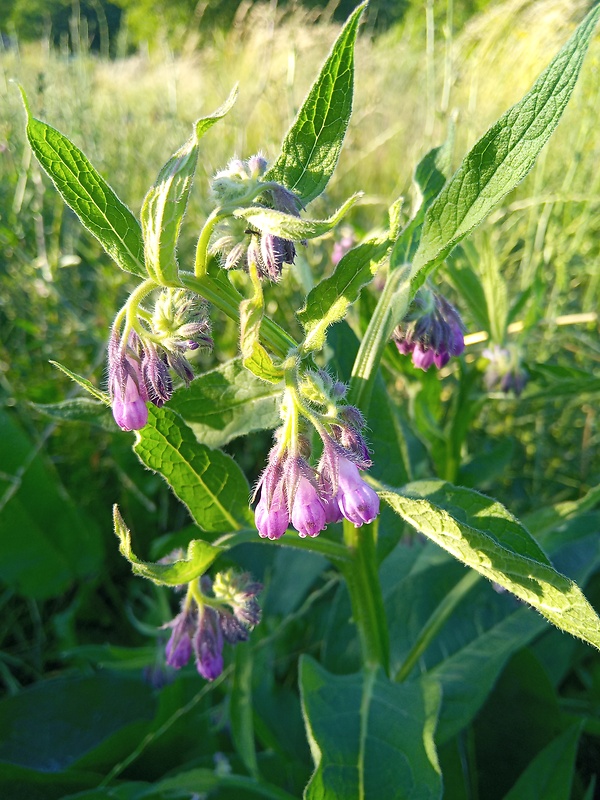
x=210, y=483
x=227, y=402
x=369, y=738
x=88, y=194
x=550, y=774
x=47, y=727
x=79, y=409
x=46, y=541
x=329, y=301
x=312, y=146
x=483, y=535
x=503, y=156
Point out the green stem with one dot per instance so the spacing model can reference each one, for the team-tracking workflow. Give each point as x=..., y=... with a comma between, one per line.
x=436, y=622
x=227, y=299
x=333, y=551
x=390, y=309
x=365, y=594
x=201, y=264
x=362, y=576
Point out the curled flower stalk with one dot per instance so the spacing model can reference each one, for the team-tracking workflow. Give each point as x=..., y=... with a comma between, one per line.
x=212, y=613
x=235, y=242
x=310, y=497
x=432, y=332
x=140, y=362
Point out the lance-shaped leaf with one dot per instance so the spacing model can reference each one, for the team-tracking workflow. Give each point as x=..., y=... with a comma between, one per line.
x=369, y=737
x=254, y=356
x=429, y=179
x=84, y=383
x=200, y=555
x=85, y=191
x=227, y=402
x=288, y=226
x=329, y=301
x=165, y=204
x=484, y=536
x=504, y=155
x=79, y=409
x=312, y=146
x=208, y=482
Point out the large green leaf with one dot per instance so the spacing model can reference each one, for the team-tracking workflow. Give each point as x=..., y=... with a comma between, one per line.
x=312, y=146
x=483, y=535
x=79, y=409
x=473, y=649
x=56, y=723
x=429, y=179
x=165, y=204
x=503, y=156
x=550, y=774
x=210, y=483
x=200, y=555
x=227, y=402
x=46, y=541
x=330, y=299
x=88, y=194
x=369, y=737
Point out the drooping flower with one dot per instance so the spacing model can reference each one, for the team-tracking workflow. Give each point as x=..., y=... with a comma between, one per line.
x=126, y=386
x=505, y=372
x=432, y=332
x=211, y=614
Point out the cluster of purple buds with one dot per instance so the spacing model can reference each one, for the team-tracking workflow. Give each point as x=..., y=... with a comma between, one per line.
x=433, y=331
x=237, y=243
x=291, y=491
x=139, y=368
x=504, y=373
x=206, y=621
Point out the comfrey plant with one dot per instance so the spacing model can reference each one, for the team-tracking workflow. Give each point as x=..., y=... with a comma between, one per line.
x=336, y=434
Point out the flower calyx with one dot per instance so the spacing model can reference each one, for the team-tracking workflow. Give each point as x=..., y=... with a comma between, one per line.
x=235, y=241
x=432, y=332
x=293, y=491
x=139, y=362
x=211, y=614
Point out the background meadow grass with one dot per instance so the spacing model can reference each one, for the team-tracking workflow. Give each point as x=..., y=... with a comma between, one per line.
x=415, y=84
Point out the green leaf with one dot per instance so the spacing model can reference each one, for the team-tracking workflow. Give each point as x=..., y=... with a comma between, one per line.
x=483, y=535
x=79, y=409
x=254, y=356
x=472, y=650
x=200, y=555
x=329, y=301
x=240, y=709
x=369, y=738
x=429, y=178
x=165, y=204
x=312, y=146
x=503, y=156
x=550, y=774
x=47, y=727
x=227, y=402
x=46, y=542
x=291, y=227
x=84, y=383
x=207, y=481
x=85, y=191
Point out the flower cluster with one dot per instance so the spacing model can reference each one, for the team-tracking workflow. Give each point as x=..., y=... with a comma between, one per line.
x=293, y=491
x=237, y=243
x=206, y=621
x=138, y=365
x=432, y=332
x=504, y=373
